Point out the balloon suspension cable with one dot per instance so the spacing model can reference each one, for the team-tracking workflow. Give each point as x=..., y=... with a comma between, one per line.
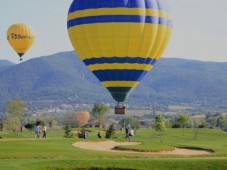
x=119, y=104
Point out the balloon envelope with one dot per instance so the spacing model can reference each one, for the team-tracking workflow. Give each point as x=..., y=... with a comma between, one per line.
x=82, y=117
x=21, y=37
x=119, y=40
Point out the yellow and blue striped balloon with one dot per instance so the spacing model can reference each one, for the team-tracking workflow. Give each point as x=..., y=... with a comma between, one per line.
x=119, y=40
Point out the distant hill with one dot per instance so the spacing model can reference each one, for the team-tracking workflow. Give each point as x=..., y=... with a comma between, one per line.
x=63, y=78
x=187, y=81
x=49, y=80
x=5, y=63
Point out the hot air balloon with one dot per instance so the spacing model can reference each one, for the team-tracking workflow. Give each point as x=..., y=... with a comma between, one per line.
x=119, y=40
x=21, y=37
x=82, y=117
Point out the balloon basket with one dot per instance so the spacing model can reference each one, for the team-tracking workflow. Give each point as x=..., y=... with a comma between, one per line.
x=120, y=110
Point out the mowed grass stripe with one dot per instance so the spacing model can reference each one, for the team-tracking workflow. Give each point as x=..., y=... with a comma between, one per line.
x=57, y=151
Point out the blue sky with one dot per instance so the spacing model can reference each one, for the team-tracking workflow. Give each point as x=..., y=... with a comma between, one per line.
x=200, y=28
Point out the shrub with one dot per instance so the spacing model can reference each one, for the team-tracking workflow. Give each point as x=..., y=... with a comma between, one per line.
x=202, y=126
x=176, y=126
x=110, y=132
x=30, y=126
x=68, y=132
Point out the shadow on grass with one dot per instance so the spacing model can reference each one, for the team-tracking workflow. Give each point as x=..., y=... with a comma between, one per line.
x=197, y=148
x=92, y=168
x=120, y=148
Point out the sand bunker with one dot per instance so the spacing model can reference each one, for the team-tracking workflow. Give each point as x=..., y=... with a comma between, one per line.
x=109, y=147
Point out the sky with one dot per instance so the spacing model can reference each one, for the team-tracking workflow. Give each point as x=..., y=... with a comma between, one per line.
x=199, y=31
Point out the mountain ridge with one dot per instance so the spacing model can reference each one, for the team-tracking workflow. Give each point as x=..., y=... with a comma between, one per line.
x=62, y=78
x=6, y=63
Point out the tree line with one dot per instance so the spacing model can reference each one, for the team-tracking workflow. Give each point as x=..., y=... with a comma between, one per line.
x=16, y=119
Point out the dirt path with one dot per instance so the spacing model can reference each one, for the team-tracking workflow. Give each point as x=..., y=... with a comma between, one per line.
x=109, y=145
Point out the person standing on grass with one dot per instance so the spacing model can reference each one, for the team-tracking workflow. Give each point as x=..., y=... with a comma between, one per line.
x=99, y=135
x=127, y=133
x=44, y=132
x=37, y=131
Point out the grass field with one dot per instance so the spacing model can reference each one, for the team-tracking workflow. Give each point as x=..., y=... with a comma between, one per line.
x=57, y=153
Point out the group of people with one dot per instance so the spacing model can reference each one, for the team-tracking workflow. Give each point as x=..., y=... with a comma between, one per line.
x=82, y=134
x=38, y=131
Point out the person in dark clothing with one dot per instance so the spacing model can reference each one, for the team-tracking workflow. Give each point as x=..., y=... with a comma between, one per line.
x=44, y=132
x=99, y=135
x=127, y=133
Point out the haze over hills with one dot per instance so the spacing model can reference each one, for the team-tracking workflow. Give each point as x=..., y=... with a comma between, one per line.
x=5, y=63
x=63, y=79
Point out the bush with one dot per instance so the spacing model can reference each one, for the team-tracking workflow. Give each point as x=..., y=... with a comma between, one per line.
x=202, y=126
x=175, y=126
x=68, y=133
x=110, y=132
x=30, y=126
x=1, y=126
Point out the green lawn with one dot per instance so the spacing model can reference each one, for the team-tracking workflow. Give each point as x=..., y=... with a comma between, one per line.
x=57, y=152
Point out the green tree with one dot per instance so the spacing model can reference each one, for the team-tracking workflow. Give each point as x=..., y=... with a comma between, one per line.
x=69, y=119
x=183, y=119
x=212, y=121
x=14, y=114
x=159, y=125
x=68, y=132
x=174, y=122
x=51, y=122
x=30, y=126
x=98, y=112
x=196, y=128
x=197, y=122
x=222, y=121
x=40, y=122
x=133, y=122
x=110, y=132
x=1, y=125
